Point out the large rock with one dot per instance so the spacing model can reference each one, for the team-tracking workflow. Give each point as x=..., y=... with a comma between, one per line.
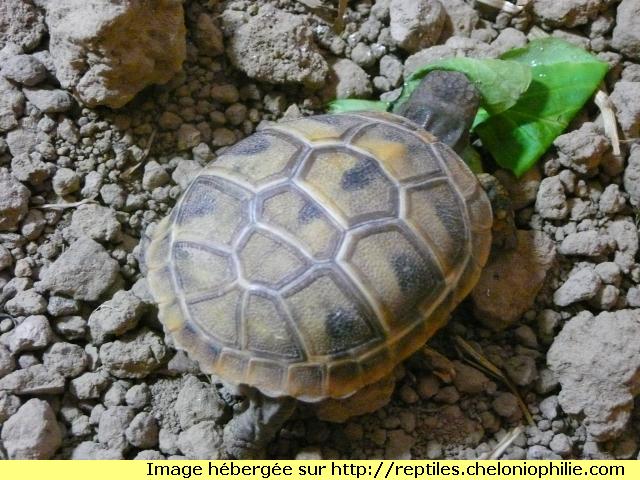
x=95, y=451
x=107, y=51
x=416, y=24
x=277, y=47
x=136, y=355
x=24, y=69
x=21, y=23
x=632, y=176
x=597, y=361
x=582, y=149
x=94, y=221
x=197, y=402
x=66, y=359
x=35, y=380
x=84, y=271
x=201, y=442
x=626, y=35
x=348, y=80
x=113, y=425
x=589, y=243
x=11, y=105
x=49, y=100
x=626, y=101
x=568, y=13
x=33, y=333
x=14, y=200
x=551, y=201
x=582, y=284
x=461, y=18
x=115, y=317
x=511, y=280
x=32, y=433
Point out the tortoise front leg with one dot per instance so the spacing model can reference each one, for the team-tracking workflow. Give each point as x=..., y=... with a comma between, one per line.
x=247, y=434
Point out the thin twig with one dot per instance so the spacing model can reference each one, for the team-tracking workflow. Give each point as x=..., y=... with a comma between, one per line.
x=475, y=358
x=440, y=365
x=62, y=206
x=129, y=171
x=311, y=3
x=609, y=119
x=503, y=444
x=342, y=8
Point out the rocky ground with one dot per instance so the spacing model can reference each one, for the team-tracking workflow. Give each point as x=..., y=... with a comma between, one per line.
x=92, y=153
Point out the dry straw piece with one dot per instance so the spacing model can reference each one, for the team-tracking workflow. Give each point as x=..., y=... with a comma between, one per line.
x=476, y=359
x=503, y=444
x=609, y=119
x=505, y=6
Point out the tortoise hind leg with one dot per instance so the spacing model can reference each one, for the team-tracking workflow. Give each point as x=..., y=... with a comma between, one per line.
x=247, y=434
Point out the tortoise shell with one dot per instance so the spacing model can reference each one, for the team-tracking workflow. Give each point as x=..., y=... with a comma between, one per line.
x=315, y=255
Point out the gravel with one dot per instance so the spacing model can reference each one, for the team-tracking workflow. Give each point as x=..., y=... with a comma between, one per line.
x=86, y=371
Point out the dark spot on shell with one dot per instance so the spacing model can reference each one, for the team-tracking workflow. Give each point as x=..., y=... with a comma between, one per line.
x=411, y=275
x=341, y=323
x=308, y=213
x=359, y=176
x=189, y=333
x=256, y=143
x=200, y=205
x=200, y=201
x=213, y=350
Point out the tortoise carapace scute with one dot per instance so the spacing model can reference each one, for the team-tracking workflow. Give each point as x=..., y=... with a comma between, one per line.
x=316, y=254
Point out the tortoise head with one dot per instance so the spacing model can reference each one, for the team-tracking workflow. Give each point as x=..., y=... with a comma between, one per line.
x=445, y=104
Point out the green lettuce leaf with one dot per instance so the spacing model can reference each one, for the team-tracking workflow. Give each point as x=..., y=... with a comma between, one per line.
x=343, y=105
x=564, y=78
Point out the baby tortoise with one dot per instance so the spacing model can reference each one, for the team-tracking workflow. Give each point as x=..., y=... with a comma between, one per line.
x=315, y=255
